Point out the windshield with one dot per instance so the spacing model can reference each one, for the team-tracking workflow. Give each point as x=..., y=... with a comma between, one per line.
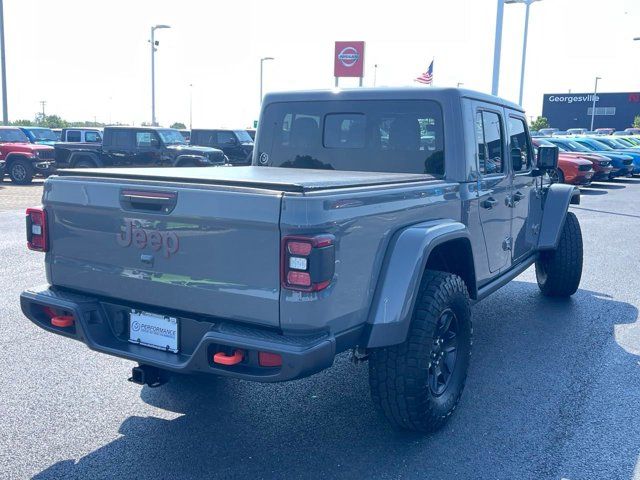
x=13, y=135
x=43, y=134
x=172, y=137
x=613, y=143
x=243, y=136
x=595, y=145
x=570, y=146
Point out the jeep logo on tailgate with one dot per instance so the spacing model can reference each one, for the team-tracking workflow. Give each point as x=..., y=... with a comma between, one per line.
x=168, y=242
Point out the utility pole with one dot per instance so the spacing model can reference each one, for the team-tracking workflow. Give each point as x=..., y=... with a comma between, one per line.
x=3, y=66
x=375, y=74
x=43, y=103
x=262, y=60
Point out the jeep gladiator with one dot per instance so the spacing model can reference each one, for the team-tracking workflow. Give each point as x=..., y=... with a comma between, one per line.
x=137, y=147
x=369, y=221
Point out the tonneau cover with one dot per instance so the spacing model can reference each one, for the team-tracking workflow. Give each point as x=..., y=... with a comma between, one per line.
x=270, y=178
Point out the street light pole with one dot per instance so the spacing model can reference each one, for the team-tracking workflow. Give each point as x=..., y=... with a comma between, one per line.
x=593, y=107
x=375, y=73
x=262, y=60
x=496, y=49
x=153, y=71
x=3, y=66
x=524, y=42
x=190, y=106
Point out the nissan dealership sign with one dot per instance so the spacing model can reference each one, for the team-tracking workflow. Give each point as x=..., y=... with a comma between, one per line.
x=348, y=59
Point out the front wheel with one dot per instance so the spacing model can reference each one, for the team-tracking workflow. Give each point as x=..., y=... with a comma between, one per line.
x=417, y=384
x=556, y=176
x=558, y=271
x=21, y=172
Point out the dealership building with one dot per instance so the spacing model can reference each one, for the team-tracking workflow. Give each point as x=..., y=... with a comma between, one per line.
x=573, y=110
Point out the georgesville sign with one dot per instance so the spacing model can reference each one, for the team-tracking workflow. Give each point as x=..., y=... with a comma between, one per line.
x=348, y=59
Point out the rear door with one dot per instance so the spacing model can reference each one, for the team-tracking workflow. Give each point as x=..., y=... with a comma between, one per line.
x=147, y=151
x=494, y=185
x=205, y=250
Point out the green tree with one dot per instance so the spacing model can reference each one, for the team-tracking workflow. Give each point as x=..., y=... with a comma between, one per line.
x=178, y=125
x=636, y=121
x=540, y=122
x=22, y=123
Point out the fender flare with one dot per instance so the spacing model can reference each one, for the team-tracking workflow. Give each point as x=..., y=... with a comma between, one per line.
x=83, y=153
x=400, y=278
x=556, y=205
x=16, y=156
x=188, y=157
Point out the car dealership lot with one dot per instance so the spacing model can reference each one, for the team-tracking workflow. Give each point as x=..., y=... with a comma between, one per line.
x=553, y=391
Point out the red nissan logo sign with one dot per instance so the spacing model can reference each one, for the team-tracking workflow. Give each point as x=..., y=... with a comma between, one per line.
x=348, y=59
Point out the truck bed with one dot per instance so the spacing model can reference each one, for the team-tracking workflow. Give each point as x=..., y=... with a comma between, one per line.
x=268, y=178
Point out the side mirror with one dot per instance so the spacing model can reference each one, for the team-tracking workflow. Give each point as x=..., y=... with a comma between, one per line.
x=516, y=159
x=547, y=157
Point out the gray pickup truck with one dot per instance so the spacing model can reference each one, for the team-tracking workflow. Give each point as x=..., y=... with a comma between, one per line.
x=369, y=221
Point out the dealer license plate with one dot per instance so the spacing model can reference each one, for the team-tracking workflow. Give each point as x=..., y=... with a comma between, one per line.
x=155, y=331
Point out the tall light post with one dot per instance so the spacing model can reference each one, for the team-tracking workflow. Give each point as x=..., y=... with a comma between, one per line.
x=593, y=107
x=3, y=66
x=375, y=74
x=524, y=42
x=262, y=60
x=497, y=48
x=154, y=44
x=191, y=106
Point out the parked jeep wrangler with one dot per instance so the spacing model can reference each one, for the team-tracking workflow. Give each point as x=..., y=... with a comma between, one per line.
x=22, y=160
x=369, y=221
x=137, y=147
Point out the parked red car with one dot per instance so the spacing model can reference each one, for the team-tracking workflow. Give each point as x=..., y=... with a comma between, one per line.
x=24, y=160
x=578, y=168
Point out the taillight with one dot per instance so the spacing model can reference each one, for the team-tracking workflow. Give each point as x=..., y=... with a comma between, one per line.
x=308, y=263
x=37, y=230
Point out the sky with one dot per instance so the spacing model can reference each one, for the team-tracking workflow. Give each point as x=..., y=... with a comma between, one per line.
x=91, y=60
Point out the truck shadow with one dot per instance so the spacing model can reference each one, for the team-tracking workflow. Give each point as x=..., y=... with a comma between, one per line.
x=530, y=392
x=592, y=191
x=608, y=186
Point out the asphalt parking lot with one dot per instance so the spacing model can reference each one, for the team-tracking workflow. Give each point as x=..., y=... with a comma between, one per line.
x=553, y=389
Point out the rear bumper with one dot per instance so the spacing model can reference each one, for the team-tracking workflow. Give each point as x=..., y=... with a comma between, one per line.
x=103, y=326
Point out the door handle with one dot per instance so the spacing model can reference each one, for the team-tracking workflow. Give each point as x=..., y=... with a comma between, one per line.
x=489, y=203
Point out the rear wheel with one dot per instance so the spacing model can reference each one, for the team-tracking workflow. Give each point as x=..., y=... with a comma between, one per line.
x=558, y=272
x=21, y=172
x=417, y=384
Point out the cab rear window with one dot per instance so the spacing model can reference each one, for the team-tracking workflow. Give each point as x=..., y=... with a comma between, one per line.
x=375, y=136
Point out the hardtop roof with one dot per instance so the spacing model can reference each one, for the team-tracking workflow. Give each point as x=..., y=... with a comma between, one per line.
x=442, y=94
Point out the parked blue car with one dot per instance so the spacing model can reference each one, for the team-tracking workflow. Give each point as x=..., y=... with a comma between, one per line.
x=40, y=135
x=606, y=145
x=622, y=163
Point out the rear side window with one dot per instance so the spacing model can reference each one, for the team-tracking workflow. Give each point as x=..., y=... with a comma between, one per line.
x=121, y=138
x=92, y=137
x=73, y=136
x=490, y=141
x=402, y=136
x=520, y=145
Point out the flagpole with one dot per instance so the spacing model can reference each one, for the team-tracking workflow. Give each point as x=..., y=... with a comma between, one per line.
x=433, y=62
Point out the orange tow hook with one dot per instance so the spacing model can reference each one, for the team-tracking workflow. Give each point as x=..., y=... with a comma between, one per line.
x=62, y=321
x=224, y=359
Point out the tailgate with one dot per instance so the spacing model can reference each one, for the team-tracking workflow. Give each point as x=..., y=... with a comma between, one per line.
x=206, y=249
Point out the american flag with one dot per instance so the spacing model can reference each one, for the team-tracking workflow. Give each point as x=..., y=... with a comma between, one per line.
x=426, y=77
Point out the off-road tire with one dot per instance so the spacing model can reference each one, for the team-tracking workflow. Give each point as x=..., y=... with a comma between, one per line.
x=400, y=375
x=559, y=271
x=20, y=171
